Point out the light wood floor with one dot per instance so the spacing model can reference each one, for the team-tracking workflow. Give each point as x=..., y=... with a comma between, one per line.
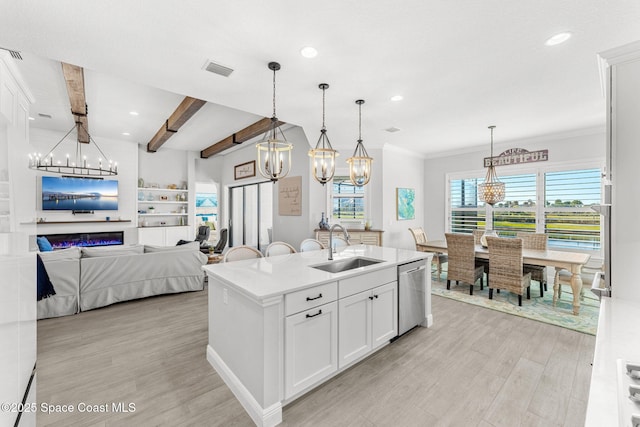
x=474, y=367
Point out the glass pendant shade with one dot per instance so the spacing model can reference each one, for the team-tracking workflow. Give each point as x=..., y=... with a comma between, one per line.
x=491, y=191
x=274, y=152
x=360, y=162
x=323, y=157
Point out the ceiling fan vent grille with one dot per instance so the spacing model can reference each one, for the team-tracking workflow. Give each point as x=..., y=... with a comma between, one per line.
x=218, y=69
x=14, y=53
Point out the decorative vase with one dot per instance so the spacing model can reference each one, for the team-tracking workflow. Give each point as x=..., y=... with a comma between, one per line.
x=483, y=238
x=323, y=224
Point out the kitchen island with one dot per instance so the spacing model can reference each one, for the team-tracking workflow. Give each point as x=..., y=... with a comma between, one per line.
x=282, y=325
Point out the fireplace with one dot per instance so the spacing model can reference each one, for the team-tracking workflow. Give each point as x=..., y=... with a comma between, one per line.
x=67, y=240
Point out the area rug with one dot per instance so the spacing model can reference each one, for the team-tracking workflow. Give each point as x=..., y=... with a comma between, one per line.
x=540, y=309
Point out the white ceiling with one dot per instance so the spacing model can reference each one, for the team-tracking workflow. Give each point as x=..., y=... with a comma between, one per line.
x=460, y=66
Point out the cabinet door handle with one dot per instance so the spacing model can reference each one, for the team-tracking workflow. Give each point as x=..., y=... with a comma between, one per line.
x=311, y=299
x=375, y=296
x=314, y=315
x=370, y=297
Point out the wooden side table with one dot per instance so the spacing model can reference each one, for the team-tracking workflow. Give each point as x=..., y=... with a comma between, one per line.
x=214, y=258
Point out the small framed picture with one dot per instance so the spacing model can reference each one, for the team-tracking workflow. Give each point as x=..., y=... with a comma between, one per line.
x=244, y=170
x=405, y=207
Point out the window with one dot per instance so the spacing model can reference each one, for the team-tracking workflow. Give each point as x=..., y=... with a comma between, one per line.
x=207, y=209
x=347, y=200
x=551, y=201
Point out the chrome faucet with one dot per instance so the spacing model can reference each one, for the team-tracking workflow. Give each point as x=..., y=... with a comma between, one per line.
x=346, y=236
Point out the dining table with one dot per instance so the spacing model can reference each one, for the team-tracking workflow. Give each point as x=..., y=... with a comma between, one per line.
x=570, y=261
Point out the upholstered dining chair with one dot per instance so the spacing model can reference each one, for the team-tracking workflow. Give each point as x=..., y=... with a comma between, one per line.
x=419, y=236
x=311, y=245
x=238, y=253
x=462, y=265
x=537, y=241
x=339, y=242
x=279, y=248
x=505, y=267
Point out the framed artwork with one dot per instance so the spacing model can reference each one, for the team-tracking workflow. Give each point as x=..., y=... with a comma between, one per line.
x=244, y=170
x=405, y=203
x=290, y=196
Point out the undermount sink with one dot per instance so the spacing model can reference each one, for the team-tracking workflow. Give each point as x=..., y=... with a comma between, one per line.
x=346, y=264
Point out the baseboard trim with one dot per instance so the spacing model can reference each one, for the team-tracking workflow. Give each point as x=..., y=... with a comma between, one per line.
x=429, y=321
x=263, y=417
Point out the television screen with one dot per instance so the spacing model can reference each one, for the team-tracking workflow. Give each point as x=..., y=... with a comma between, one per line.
x=66, y=193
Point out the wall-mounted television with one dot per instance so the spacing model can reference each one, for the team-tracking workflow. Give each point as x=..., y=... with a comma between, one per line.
x=79, y=194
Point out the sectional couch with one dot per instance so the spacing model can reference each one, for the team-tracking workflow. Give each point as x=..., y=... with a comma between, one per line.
x=89, y=278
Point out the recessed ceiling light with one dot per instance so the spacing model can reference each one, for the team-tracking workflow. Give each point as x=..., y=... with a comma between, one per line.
x=31, y=118
x=308, y=52
x=126, y=133
x=133, y=113
x=558, y=38
x=397, y=98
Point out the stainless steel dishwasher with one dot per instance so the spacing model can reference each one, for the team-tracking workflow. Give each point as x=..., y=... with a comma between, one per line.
x=411, y=288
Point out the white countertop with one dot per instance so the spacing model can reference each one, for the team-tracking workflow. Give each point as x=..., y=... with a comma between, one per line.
x=618, y=337
x=273, y=276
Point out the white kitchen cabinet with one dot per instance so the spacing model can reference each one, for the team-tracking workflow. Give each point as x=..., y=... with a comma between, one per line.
x=311, y=347
x=367, y=320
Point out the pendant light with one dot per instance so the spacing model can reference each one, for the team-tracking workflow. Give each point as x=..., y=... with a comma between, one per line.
x=323, y=156
x=360, y=162
x=491, y=191
x=274, y=152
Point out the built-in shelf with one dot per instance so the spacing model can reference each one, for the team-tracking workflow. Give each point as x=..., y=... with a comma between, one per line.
x=75, y=222
x=153, y=202
x=163, y=190
x=164, y=226
x=4, y=182
x=4, y=199
x=163, y=214
x=4, y=215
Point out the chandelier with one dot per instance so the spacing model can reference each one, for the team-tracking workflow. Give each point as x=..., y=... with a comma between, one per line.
x=274, y=152
x=360, y=162
x=323, y=156
x=491, y=191
x=77, y=165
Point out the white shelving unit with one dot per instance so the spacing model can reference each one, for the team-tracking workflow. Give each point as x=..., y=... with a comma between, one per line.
x=168, y=212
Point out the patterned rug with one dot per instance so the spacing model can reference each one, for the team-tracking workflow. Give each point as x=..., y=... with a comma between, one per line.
x=540, y=309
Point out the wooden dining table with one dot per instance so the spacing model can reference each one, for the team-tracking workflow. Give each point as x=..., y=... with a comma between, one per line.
x=570, y=261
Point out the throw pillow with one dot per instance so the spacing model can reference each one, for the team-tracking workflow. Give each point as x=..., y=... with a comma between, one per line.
x=61, y=255
x=43, y=244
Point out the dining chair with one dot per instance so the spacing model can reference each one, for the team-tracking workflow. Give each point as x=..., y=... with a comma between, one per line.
x=505, y=267
x=477, y=234
x=563, y=277
x=419, y=236
x=339, y=242
x=462, y=265
x=537, y=241
x=311, y=245
x=238, y=253
x=279, y=248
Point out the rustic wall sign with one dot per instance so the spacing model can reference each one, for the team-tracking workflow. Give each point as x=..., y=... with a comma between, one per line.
x=514, y=156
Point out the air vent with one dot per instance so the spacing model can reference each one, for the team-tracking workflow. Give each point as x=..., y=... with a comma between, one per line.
x=392, y=129
x=14, y=53
x=217, y=69
x=44, y=116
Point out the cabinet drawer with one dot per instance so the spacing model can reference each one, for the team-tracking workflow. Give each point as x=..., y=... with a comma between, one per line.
x=309, y=298
x=367, y=281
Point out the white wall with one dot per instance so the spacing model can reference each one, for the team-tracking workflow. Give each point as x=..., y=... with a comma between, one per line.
x=401, y=169
x=123, y=152
x=586, y=147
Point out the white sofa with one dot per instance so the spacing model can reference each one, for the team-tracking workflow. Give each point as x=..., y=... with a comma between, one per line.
x=89, y=278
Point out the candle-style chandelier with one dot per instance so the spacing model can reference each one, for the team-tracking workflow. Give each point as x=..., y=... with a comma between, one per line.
x=492, y=190
x=323, y=156
x=274, y=151
x=77, y=164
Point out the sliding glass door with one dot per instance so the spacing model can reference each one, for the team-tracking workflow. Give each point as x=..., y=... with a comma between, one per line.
x=251, y=215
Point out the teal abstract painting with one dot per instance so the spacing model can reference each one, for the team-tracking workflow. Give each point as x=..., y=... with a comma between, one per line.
x=405, y=198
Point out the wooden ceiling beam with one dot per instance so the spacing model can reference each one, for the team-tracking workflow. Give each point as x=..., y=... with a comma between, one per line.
x=187, y=108
x=251, y=131
x=74, y=79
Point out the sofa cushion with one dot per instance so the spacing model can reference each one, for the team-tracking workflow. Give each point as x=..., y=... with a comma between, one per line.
x=43, y=244
x=191, y=246
x=112, y=251
x=61, y=254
